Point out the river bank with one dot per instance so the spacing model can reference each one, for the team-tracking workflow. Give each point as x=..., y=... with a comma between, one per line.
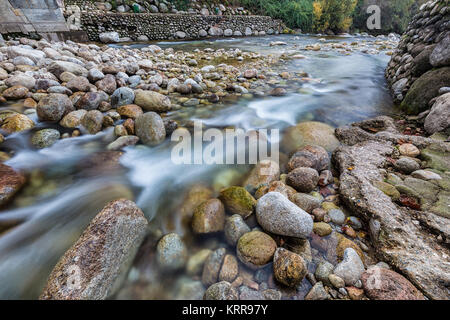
x=88, y=124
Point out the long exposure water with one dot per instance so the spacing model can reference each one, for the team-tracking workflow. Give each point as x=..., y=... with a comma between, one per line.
x=69, y=186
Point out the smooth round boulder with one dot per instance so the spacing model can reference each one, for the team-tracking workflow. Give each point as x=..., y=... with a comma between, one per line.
x=289, y=268
x=383, y=284
x=276, y=214
x=309, y=133
x=45, y=138
x=303, y=179
x=53, y=107
x=15, y=92
x=255, y=249
x=152, y=101
x=235, y=227
x=150, y=128
x=17, y=122
x=237, y=200
x=221, y=291
x=92, y=121
x=122, y=96
x=351, y=267
x=315, y=157
x=209, y=217
x=171, y=252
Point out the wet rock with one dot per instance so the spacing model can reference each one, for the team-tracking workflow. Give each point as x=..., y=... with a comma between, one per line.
x=11, y=181
x=394, y=232
x=122, y=96
x=17, y=122
x=309, y=133
x=152, y=101
x=319, y=214
x=276, y=214
x=387, y=189
x=323, y=271
x=209, y=217
x=212, y=266
x=384, y=284
x=441, y=54
x=439, y=117
x=15, y=93
x=187, y=289
x=95, y=265
x=263, y=173
x=92, y=121
x=150, y=129
x=21, y=80
x=130, y=111
x=336, y=281
x=73, y=119
x=221, y=291
x=237, y=200
x=229, y=270
x=426, y=175
x=355, y=293
x=78, y=84
x=351, y=268
x=289, y=268
x=343, y=243
x=424, y=89
x=45, y=138
x=310, y=157
x=322, y=229
x=317, y=292
x=407, y=165
x=171, y=252
x=53, y=107
x=278, y=92
x=408, y=150
x=235, y=227
x=91, y=100
x=108, y=84
x=195, y=263
x=325, y=178
x=306, y=201
x=58, y=67
x=337, y=216
x=122, y=142
x=95, y=75
x=250, y=73
x=255, y=249
x=303, y=179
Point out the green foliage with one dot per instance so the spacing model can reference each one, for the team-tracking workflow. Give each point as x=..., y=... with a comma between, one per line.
x=294, y=13
x=333, y=15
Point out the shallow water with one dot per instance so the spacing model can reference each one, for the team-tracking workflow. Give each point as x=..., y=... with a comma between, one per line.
x=68, y=189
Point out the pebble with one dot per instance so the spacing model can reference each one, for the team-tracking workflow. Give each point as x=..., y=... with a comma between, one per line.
x=337, y=216
x=209, y=217
x=409, y=150
x=317, y=292
x=303, y=179
x=235, y=227
x=171, y=252
x=289, y=268
x=237, y=200
x=351, y=267
x=255, y=249
x=212, y=266
x=407, y=165
x=276, y=214
x=221, y=291
x=426, y=175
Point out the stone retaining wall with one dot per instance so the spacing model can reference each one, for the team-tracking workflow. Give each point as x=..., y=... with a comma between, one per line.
x=428, y=32
x=176, y=26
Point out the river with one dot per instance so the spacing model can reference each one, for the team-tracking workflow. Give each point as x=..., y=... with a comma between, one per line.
x=68, y=190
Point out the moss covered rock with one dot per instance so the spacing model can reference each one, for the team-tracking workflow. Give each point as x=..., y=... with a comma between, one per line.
x=424, y=89
x=237, y=200
x=255, y=249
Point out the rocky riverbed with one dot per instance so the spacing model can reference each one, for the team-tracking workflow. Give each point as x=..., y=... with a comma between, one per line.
x=356, y=213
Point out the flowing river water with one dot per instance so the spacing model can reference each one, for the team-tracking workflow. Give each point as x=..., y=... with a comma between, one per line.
x=68, y=188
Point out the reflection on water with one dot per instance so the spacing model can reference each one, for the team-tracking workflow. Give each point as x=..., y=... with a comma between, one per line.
x=49, y=219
